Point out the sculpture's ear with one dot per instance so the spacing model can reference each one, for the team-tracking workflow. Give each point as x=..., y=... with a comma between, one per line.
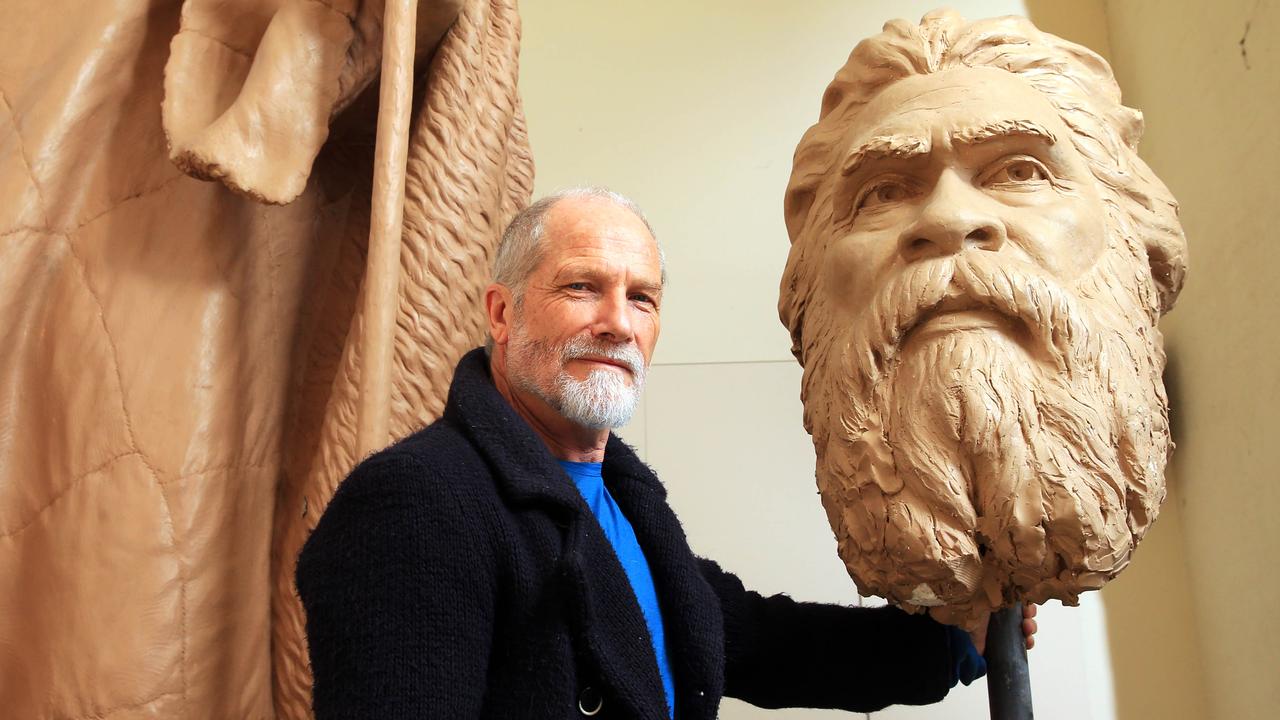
x=1166, y=247
x=1156, y=217
x=796, y=206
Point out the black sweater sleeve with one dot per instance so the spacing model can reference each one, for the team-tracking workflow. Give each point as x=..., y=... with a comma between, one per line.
x=783, y=653
x=385, y=641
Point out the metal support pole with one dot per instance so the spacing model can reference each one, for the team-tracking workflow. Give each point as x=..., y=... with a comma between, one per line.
x=1008, y=678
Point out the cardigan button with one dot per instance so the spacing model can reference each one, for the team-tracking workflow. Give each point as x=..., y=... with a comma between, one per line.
x=590, y=702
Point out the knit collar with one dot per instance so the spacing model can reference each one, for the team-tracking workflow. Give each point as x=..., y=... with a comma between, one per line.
x=526, y=469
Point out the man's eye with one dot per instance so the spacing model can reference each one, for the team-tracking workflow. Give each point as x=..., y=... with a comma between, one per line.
x=578, y=286
x=642, y=298
x=883, y=192
x=1018, y=171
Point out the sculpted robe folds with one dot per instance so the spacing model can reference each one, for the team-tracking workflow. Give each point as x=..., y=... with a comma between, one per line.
x=979, y=259
x=179, y=362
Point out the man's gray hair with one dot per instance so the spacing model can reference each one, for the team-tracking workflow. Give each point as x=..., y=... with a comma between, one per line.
x=521, y=248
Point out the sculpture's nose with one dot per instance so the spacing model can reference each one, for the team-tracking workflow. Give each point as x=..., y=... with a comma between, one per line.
x=952, y=218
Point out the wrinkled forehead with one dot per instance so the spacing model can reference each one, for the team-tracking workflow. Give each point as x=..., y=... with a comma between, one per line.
x=919, y=111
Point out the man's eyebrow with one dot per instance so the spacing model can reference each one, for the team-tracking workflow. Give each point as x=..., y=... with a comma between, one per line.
x=899, y=147
x=648, y=287
x=1001, y=129
x=594, y=273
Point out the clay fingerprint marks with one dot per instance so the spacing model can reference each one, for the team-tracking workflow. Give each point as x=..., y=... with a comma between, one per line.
x=898, y=541
x=250, y=89
x=466, y=178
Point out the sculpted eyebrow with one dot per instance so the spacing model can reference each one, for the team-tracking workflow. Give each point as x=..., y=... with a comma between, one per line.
x=1002, y=129
x=899, y=147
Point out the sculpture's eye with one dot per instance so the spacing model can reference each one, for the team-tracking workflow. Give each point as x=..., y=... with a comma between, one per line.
x=883, y=192
x=1015, y=171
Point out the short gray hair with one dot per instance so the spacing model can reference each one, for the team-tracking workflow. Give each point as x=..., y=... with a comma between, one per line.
x=521, y=248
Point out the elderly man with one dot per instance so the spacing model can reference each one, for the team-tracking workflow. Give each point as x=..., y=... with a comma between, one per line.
x=516, y=560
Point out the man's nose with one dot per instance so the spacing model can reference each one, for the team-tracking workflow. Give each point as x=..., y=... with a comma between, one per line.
x=613, y=318
x=953, y=218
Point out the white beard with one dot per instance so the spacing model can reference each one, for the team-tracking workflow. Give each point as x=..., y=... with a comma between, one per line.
x=975, y=468
x=601, y=401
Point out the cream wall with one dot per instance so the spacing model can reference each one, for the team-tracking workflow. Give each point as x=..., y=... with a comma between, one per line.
x=694, y=109
x=1208, y=77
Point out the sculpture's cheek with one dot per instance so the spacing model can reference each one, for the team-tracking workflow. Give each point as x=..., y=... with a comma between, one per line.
x=1064, y=238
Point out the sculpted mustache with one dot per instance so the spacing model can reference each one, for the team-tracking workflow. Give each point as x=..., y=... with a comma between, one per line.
x=628, y=355
x=1053, y=314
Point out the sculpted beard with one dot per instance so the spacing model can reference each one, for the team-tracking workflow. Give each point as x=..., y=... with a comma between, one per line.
x=971, y=468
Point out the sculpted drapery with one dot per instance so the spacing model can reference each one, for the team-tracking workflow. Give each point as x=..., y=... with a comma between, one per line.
x=179, y=362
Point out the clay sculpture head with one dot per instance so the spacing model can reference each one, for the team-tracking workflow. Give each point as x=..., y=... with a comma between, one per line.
x=979, y=259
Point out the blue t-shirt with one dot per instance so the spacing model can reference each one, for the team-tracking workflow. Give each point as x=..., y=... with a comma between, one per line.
x=587, y=476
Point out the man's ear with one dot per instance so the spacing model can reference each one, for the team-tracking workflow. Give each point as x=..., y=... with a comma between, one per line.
x=499, y=305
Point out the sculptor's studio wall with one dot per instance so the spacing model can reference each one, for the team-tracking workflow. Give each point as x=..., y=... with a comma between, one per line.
x=695, y=109
x=1208, y=77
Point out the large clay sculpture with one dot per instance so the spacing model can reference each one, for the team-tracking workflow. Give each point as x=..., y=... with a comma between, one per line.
x=180, y=357
x=979, y=260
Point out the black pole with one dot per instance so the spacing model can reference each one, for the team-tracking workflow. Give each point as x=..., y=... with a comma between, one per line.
x=1008, y=679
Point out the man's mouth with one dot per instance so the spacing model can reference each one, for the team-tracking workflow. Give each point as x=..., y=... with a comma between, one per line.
x=609, y=362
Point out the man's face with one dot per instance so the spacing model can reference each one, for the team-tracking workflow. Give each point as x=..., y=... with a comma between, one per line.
x=982, y=376
x=585, y=331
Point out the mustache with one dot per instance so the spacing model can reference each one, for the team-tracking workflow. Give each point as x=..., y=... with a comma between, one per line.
x=1055, y=316
x=628, y=354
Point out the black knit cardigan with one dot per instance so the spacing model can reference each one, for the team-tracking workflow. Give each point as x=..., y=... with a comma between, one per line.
x=458, y=574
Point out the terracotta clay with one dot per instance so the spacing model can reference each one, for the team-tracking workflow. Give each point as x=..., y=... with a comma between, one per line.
x=180, y=360
x=979, y=259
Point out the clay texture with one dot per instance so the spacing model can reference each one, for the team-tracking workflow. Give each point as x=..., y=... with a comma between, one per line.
x=979, y=260
x=180, y=357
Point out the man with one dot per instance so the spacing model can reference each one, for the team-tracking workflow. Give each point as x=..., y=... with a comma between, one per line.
x=462, y=573
x=979, y=260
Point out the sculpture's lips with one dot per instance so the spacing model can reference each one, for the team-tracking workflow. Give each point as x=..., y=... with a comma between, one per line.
x=956, y=314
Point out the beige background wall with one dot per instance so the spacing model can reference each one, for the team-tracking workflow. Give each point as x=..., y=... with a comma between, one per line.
x=694, y=109
x=1208, y=77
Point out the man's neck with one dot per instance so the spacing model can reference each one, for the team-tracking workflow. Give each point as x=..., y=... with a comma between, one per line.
x=565, y=439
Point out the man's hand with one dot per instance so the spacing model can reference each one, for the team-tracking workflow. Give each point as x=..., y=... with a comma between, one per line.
x=1029, y=627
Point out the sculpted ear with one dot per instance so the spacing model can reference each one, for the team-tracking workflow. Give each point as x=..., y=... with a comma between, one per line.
x=1153, y=208
x=1166, y=246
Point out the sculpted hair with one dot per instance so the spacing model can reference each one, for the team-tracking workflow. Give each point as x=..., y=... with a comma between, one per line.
x=521, y=248
x=1075, y=80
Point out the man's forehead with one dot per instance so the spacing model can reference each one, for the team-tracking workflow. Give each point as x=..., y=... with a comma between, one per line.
x=593, y=216
x=590, y=229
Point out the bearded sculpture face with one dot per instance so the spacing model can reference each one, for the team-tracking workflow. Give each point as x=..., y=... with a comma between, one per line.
x=979, y=259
